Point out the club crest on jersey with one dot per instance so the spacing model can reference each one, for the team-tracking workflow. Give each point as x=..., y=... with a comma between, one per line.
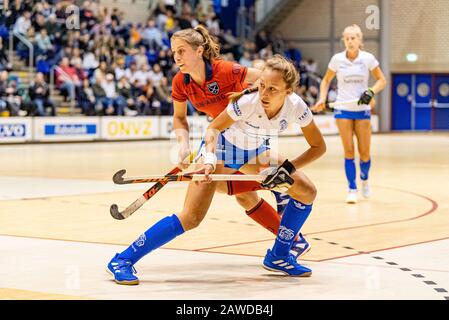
x=283, y=124
x=213, y=87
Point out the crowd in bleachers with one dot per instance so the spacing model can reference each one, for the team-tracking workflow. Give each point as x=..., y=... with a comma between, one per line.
x=109, y=66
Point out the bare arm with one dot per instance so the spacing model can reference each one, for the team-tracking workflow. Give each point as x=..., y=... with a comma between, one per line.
x=252, y=75
x=181, y=128
x=324, y=89
x=219, y=124
x=381, y=81
x=317, y=146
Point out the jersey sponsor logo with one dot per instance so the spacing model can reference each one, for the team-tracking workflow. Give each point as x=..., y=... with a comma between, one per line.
x=213, y=87
x=283, y=124
x=12, y=130
x=285, y=233
x=204, y=103
x=251, y=125
x=304, y=115
x=236, y=108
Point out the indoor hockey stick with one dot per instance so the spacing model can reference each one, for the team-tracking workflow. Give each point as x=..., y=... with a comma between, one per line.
x=119, y=179
x=133, y=207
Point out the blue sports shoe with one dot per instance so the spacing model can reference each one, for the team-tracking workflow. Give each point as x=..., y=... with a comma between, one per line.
x=300, y=247
x=282, y=200
x=287, y=265
x=123, y=271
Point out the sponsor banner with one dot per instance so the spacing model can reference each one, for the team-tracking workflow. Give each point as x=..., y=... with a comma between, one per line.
x=15, y=129
x=326, y=124
x=129, y=128
x=197, y=127
x=66, y=129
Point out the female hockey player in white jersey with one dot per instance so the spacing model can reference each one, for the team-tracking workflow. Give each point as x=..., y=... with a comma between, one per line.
x=353, y=113
x=239, y=139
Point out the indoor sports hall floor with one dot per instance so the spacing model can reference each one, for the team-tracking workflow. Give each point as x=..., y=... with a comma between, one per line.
x=56, y=234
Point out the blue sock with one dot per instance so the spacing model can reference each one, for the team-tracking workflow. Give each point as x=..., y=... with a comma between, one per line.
x=294, y=216
x=350, y=173
x=364, y=169
x=159, y=234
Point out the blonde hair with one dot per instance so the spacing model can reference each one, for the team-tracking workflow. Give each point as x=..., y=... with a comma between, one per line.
x=277, y=63
x=200, y=36
x=356, y=30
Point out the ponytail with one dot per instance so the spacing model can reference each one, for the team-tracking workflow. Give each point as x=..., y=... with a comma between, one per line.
x=200, y=36
x=211, y=46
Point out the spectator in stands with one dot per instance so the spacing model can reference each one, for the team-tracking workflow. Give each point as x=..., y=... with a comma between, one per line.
x=163, y=95
x=87, y=14
x=43, y=43
x=134, y=35
x=146, y=99
x=156, y=75
x=40, y=96
x=76, y=57
x=67, y=79
x=87, y=100
x=141, y=57
x=90, y=62
x=245, y=60
x=52, y=26
x=152, y=36
x=267, y=52
x=293, y=54
x=261, y=40
x=39, y=22
x=165, y=61
x=113, y=104
x=23, y=24
x=125, y=92
x=119, y=70
x=100, y=72
x=3, y=86
x=13, y=99
x=4, y=63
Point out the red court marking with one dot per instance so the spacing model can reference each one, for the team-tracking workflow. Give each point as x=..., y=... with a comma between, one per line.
x=430, y=211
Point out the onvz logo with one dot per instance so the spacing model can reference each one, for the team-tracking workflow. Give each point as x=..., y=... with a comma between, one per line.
x=12, y=130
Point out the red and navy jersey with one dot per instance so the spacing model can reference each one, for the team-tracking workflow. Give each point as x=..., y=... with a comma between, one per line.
x=222, y=77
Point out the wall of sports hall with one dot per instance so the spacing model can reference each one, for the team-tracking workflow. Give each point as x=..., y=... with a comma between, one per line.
x=409, y=38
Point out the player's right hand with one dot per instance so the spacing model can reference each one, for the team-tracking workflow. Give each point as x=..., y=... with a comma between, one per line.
x=319, y=106
x=184, y=157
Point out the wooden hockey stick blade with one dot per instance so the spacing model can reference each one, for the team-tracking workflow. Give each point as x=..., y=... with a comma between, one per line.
x=116, y=214
x=133, y=207
x=118, y=177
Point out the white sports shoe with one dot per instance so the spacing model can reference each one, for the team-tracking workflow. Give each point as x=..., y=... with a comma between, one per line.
x=366, y=190
x=352, y=196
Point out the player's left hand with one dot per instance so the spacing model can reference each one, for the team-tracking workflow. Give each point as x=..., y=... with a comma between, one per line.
x=206, y=169
x=366, y=97
x=279, y=178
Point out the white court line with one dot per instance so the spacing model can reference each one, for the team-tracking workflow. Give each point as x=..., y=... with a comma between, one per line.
x=77, y=269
